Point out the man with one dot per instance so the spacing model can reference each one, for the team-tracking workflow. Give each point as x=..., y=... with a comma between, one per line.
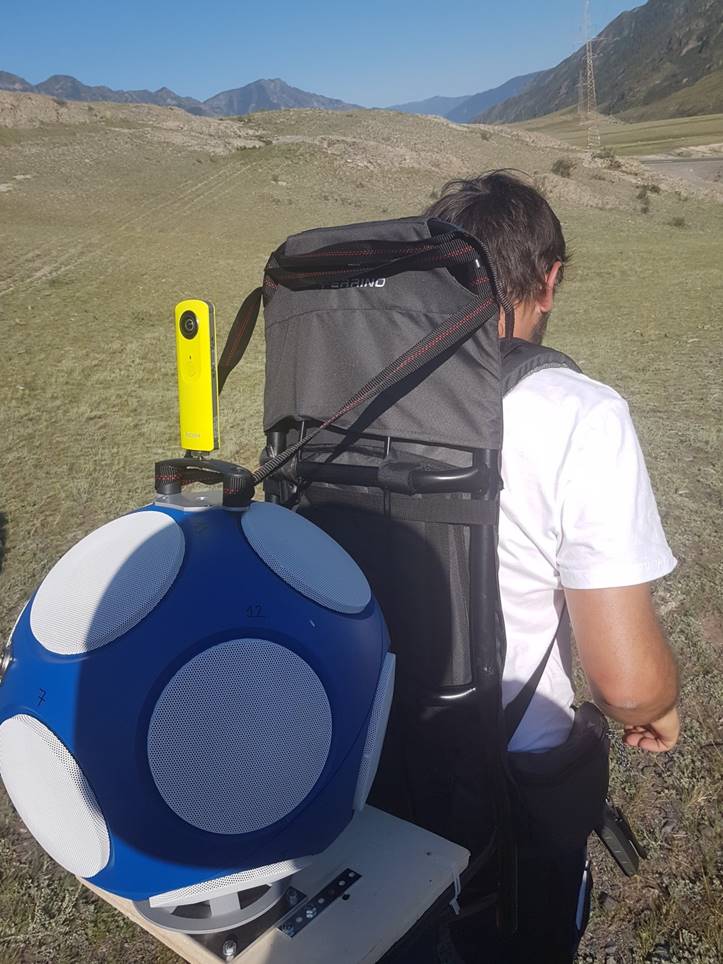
x=578, y=526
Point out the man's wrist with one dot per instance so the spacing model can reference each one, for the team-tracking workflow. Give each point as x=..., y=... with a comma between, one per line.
x=638, y=715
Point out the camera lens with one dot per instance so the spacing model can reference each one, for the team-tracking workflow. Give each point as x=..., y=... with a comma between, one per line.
x=189, y=324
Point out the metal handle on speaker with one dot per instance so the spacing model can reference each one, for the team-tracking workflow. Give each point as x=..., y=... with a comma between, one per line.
x=238, y=483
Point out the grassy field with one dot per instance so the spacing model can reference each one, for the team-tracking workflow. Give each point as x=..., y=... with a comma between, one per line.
x=643, y=137
x=110, y=215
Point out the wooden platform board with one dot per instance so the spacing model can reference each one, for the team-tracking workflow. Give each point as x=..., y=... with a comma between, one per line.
x=403, y=869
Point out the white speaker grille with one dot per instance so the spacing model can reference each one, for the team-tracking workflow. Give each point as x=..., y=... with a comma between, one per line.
x=107, y=583
x=52, y=796
x=245, y=880
x=305, y=557
x=375, y=734
x=239, y=736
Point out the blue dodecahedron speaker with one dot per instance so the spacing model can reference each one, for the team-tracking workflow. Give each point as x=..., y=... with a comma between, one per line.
x=194, y=700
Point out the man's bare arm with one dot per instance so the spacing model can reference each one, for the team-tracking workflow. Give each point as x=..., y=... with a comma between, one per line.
x=630, y=667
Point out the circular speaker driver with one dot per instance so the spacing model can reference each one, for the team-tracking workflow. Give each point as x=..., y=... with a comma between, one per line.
x=305, y=557
x=52, y=796
x=107, y=583
x=239, y=736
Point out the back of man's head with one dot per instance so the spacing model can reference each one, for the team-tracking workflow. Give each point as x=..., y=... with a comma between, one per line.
x=520, y=229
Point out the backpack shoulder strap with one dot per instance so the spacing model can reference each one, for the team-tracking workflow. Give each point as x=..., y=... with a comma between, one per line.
x=521, y=358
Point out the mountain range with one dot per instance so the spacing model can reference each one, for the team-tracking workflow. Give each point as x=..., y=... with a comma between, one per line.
x=662, y=59
x=259, y=95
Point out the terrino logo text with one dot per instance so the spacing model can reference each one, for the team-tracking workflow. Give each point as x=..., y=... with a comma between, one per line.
x=358, y=283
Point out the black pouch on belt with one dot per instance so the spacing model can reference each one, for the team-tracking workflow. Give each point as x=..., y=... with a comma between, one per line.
x=560, y=793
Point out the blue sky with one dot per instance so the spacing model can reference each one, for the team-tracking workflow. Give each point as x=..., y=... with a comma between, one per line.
x=373, y=53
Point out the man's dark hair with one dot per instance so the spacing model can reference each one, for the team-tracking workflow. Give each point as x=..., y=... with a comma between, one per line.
x=516, y=223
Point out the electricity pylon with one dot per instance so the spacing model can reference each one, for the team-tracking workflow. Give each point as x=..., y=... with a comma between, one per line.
x=588, y=94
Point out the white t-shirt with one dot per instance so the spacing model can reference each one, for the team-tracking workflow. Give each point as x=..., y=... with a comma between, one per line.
x=577, y=511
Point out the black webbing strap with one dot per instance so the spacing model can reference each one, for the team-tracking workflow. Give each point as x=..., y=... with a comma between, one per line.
x=516, y=708
x=431, y=508
x=342, y=262
x=239, y=336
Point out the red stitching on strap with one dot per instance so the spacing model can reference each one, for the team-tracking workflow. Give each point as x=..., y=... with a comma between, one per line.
x=349, y=254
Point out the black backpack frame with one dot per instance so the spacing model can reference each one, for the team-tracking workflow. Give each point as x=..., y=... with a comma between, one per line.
x=340, y=302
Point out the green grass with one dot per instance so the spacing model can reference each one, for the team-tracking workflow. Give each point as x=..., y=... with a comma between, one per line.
x=703, y=97
x=644, y=137
x=115, y=226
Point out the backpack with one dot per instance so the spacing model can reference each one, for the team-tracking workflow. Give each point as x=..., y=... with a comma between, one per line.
x=383, y=421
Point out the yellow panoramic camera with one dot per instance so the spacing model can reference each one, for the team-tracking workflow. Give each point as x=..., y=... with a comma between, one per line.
x=195, y=324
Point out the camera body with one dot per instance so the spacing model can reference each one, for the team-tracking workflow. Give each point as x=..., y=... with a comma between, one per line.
x=195, y=326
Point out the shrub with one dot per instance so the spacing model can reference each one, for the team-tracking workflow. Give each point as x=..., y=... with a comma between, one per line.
x=485, y=135
x=563, y=166
x=677, y=222
x=60, y=102
x=607, y=154
x=642, y=196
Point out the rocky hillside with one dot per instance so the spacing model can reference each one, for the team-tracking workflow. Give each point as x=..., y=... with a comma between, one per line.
x=13, y=82
x=645, y=60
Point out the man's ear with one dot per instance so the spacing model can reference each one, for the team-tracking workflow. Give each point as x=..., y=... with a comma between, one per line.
x=547, y=295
